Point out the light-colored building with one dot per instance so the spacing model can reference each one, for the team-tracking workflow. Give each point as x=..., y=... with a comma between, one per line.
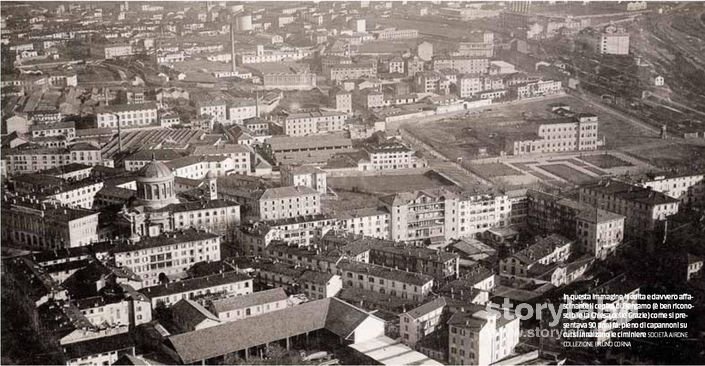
x=340, y=100
x=421, y=321
x=342, y=72
x=538, y=89
x=29, y=223
x=385, y=280
x=551, y=249
x=556, y=135
x=256, y=303
x=389, y=156
x=613, y=41
x=481, y=337
x=128, y=115
x=168, y=256
x=599, y=232
x=439, y=214
x=687, y=188
x=225, y=284
x=645, y=209
x=462, y=64
x=319, y=285
x=371, y=222
x=311, y=123
x=287, y=202
x=306, y=176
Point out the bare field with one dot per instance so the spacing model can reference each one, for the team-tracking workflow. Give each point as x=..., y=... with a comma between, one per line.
x=385, y=183
x=465, y=136
x=605, y=161
x=674, y=156
x=493, y=170
x=567, y=173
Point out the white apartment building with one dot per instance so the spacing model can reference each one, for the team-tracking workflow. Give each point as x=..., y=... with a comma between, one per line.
x=389, y=156
x=234, y=308
x=370, y=222
x=551, y=249
x=67, y=129
x=261, y=55
x=464, y=65
x=319, y=285
x=599, y=232
x=212, y=106
x=167, y=256
x=556, y=135
x=240, y=155
x=686, y=188
x=385, y=280
x=21, y=161
x=644, y=208
x=305, y=176
x=481, y=337
x=225, y=284
x=131, y=310
x=421, y=321
x=47, y=226
x=128, y=115
x=440, y=215
x=613, y=41
x=241, y=109
x=310, y=123
x=538, y=89
x=196, y=167
x=287, y=202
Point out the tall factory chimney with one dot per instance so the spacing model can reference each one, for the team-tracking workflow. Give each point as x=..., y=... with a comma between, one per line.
x=232, y=46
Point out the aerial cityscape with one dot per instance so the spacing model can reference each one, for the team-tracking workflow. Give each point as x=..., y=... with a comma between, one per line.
x=352, y=182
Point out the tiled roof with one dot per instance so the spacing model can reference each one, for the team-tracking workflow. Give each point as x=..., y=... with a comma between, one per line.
x=244, y=301
x=329, y=313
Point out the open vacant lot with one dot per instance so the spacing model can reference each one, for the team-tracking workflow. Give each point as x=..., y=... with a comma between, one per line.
x=468, y=136
x=493, y=170
x=673, y=156
x=386, y=183
x=567, y=173
x=605, y=161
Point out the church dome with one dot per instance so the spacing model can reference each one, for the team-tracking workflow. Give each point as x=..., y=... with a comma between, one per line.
x=155, y=169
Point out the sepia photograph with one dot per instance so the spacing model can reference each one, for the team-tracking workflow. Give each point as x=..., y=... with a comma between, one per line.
x=489, y=183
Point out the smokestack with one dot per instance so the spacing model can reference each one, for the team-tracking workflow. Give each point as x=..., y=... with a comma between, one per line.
x=232, y=46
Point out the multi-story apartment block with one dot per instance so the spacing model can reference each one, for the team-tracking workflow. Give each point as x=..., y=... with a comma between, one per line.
x=319, y=285
x=369, y=98
x=613, y=41
x=385, y=280
x=297, y=231
x=439, y=214
x=230, y=309
x=556, y=135
x=342, y=72
x=599, y=232
x=393, y=34
x=389, y=156
x=311, y=123
x=217, y=216
x=551, y=249
x=462, y=64
x=27, y=222
x=421, y=321
x=20, y=160
x=287, y=202
x=481, y=337
x=687, y=188
x=371, y=222
x=225, y=284
x=127, y=115
x=197, y=167
x=211, y=105
x=111, y=51
x=469, y=85
x=261, y=55
x=240, y=109
x=538, y=89
x=128, y=307
x=305, y=176
x=645, y=209
x=240, y=155
x=431, y=82
x=66, y=129
x=47, y=189
x=340, y=100
x=155, y=259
